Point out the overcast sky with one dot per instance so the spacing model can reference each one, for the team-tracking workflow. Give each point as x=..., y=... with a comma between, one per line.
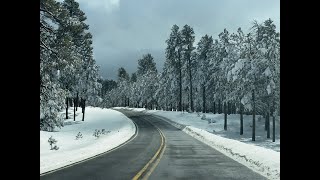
x=124, y=30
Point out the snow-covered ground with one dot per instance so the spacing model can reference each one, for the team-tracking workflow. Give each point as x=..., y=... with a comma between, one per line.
x=71, y=150
x=262, y=155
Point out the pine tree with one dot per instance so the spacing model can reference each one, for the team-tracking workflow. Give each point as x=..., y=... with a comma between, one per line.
x=51, y=93
x=146, y=64
x=187, y=35
x=173, y=55
x=204, y=56
x=67, y=67
x=133, y=77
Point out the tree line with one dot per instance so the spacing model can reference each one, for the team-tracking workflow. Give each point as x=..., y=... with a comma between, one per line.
x=235, y=73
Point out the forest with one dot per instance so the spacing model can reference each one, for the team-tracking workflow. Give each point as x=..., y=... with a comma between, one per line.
x=234, y=73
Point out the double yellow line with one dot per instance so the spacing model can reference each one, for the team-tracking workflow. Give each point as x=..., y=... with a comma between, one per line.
x=157, y=156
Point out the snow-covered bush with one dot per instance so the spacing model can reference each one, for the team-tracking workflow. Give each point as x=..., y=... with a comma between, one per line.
x=104, y=132
x=55, y=147
x=211, y=121
x=79, y=135
x=203, y=117
x=97, y=133
x=52, y=142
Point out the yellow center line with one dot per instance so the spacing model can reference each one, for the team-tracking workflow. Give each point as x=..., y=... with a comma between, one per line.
x=155, y=164
x=138, y=175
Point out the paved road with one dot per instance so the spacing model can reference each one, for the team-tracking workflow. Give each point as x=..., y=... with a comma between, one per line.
x=188, y=158
x=183, y=158
x=123, y=163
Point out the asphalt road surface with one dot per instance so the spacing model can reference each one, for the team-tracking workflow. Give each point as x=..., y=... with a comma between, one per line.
x=182, y=157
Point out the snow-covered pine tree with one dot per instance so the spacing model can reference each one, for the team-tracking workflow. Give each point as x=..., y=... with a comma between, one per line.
x=188, y=37
x=203, y=51
x=268, y=44
x=123, y=87
x=65, y=58
x=174, y=56
x=146, y=64
x=51, y=93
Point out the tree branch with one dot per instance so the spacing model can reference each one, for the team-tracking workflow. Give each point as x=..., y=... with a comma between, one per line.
x=46, y=11
x=45, y=27
x=44, y=46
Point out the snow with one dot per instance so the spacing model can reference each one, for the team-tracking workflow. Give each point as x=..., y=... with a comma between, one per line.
x=237, y=68
x=232, y=41
x=71, y=150
x=262, y=155
x=263, y=50
x=268, y=89
x=267, y=72
x=245, y=101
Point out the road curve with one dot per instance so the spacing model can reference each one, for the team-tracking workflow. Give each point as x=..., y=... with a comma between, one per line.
x=188, y=158
x=184, y=157
x=122, y=163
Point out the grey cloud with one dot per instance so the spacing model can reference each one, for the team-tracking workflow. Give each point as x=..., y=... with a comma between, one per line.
x=134, y=27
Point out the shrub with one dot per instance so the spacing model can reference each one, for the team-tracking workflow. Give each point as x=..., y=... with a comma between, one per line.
x=52, y=142
x=79, y=135
x=97, y=133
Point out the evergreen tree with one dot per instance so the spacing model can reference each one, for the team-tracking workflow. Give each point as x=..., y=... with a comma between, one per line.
x=146, y=64
x=133, y=77
x=204, y=55
x=174, y=57
x=187, y=36
x=67, y=67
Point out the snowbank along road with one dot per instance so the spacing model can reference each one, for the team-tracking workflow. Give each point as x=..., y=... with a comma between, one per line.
x=159, y=151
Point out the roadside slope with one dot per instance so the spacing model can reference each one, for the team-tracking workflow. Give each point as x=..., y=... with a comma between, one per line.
x=258, y=155
x=119, y=129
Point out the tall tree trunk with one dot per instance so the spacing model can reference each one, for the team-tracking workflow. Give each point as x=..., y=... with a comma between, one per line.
x=182, y=106
x=67, y=102
x=203, y=99
x=190, y=78
x=214, y=107
x=273, y=122
x=229, y=108
x=268, y=124
x=83, y=116
x=77, y=101
x=219, y=107
x=128, y=102
x=225, y=116
x=253, y=118
x=83, y=108
x=74, y=109
x=180, y=82
x=273, y=128
x=241, y=119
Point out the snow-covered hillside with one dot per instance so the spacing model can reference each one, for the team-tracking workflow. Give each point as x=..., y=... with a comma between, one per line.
x=71, y=150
